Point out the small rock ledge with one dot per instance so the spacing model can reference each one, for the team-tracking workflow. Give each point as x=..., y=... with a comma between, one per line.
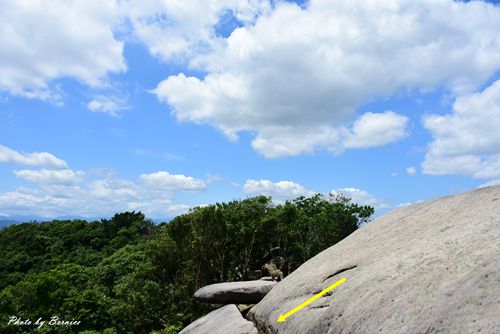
x=245, y=292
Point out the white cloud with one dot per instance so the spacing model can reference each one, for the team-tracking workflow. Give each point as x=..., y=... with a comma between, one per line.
x=411, y=170
x=115, y=189
x=287, y=190
x=97, y=194
x=45, y=176
x=165, y=180
x=297, y=76
x=20, y=202
x=155, y=207
x=107, y=105
x=279, y=191
x=467, y=141
x=376, y=129
x=46, y=40
x=279, y=141
x=180, y=29
x=50, y=95
x=369, y=130
x=41, y=159
x=361, y=197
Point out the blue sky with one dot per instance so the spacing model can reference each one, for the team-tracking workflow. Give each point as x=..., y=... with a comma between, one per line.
x=112, y=106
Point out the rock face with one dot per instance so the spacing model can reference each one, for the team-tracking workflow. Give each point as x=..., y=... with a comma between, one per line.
x=225, y=320
x=433, y=267
x=246, y=292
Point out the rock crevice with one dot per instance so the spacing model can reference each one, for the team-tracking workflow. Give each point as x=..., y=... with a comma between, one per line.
x=339, y=272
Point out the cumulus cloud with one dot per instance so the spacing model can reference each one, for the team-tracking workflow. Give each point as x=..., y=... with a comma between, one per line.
x=361, y=197
x=180, y=29
x=46, y=40
x=376, y=129
x=287, y=190
x=167, y=181
x=108, y=105
x=296, y=76
x=41, y=159
x=279, y=191
x=45, y=176
x=466, y=141
x=92, y=194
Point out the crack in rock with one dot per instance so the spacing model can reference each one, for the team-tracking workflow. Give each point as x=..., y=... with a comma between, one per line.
x=320, y=306
x=339, y=271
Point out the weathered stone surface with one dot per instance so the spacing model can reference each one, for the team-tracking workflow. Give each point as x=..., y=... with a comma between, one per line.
x=266, y=278
x=433, y=267
x=245, y=292
x=225, y=320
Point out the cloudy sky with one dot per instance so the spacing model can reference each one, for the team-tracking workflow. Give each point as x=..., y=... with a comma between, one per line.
x=160, y=106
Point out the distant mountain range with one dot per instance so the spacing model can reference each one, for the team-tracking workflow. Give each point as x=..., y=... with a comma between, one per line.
x=6, y=222
x=11, y=220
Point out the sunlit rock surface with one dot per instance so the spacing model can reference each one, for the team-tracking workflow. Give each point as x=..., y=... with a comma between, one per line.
x=225, y=320
x=432, y=267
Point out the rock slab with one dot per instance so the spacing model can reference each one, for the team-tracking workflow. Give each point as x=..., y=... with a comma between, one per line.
x=245, y=292
x=433, y=267
x=225, y=320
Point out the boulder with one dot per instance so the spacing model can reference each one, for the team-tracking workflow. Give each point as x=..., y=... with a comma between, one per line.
x=433, y=267
x=225, y=320
x=245, y=292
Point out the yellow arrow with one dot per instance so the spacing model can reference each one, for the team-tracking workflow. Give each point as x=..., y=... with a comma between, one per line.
x=283, y=317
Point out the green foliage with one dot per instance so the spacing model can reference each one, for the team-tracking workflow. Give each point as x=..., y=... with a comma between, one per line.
x=35, y=247
x=127, y=275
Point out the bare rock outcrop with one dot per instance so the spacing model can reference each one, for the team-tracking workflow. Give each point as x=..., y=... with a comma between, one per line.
x=227, y=320
x=432, y=267
x=244, y=292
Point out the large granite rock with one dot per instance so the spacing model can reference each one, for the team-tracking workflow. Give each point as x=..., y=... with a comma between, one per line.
x=433, y=267
x=225, y=320
x=245, y=292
